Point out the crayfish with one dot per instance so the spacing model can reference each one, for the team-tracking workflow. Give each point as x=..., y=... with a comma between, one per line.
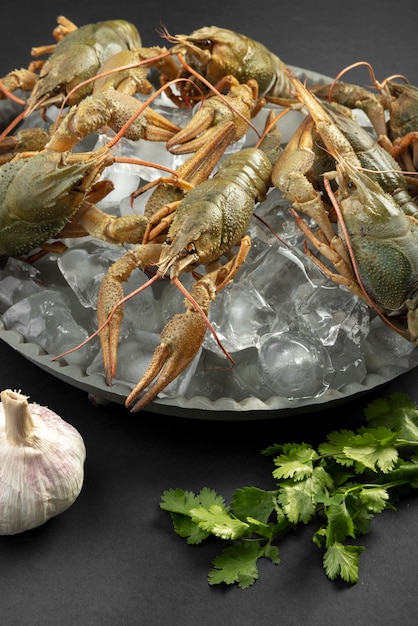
x=393, y=112
x=217, y=54
x=375, y=251
x=207, y=224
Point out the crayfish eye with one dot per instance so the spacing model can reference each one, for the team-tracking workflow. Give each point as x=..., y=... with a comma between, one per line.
x=57, y=90
x=204, y=44
x=351, y=186
x=191, y=248
x=396, y=92
x=169, y=241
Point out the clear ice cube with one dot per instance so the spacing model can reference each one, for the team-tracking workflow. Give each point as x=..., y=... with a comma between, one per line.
x=249, y=376
x=329, y=310
x=45, y=318
x=240, y=316
x=347, y=359
x=171, y=299
x=213, y=379
x=83, y=267
x=294, y=366
x=277, y=274
x=386, y=351
x=17, y=281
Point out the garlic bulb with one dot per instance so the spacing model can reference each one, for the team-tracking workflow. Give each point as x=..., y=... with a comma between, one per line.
x=41, y=464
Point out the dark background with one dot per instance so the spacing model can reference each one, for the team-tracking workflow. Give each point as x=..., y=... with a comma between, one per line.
x=113, y=557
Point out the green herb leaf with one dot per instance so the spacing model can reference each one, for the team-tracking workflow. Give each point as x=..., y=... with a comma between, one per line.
x=238, y=564
x=216, y=520
x=296, y=462
x=340, y=524
x=399, y=413
x=374, y=498
x=334, y=447
x=299, y=499
x=184, y=527
x=342, y=561
x=180, y=501
x=372, y=449
x=253, y=502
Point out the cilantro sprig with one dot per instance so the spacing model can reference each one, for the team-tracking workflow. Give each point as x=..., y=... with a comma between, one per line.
x=341, y=484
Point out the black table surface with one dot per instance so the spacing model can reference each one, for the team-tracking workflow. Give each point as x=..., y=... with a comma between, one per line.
x=113, y=557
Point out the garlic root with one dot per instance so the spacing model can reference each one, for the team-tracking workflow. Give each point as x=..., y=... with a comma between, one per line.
x=41, y=464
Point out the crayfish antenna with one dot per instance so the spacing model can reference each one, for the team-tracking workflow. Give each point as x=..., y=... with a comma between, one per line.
x=353, y=66
x=164, y=33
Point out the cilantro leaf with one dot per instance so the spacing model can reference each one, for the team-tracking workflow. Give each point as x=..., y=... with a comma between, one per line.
x=179, y=504
x=207, y=497
x=296, y=462
x=216, y=520
x=340, y=524
x=296, y=503
x=180, y=501
x=342, y=561
x=334, y=447
x=238, y=563
x=374, y=498
x=185, y=527
x=372, y=449
x=398, y=412
x=253, y=502
x=299, y=499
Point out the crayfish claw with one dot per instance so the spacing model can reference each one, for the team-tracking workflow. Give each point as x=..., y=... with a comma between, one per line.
x=110, y=293
x=194, y=135
x=181, y=339
x=214, y=113
x=110, y=311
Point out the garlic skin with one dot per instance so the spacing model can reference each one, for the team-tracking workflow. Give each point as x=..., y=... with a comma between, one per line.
x=41, y=464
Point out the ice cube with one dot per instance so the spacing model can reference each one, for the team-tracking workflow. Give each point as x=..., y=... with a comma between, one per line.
x=171, y=300
x=387, y=352
x=329, y=310
x=347, y=359
x=17, y=281
x=294, y=366
x=278, y=273
x=213, y=379
x=124, y=176
x=273, y=216
x=45, y=318
x=156, y=152
x=83, y=267
x=248, y=375
x=240, y=316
